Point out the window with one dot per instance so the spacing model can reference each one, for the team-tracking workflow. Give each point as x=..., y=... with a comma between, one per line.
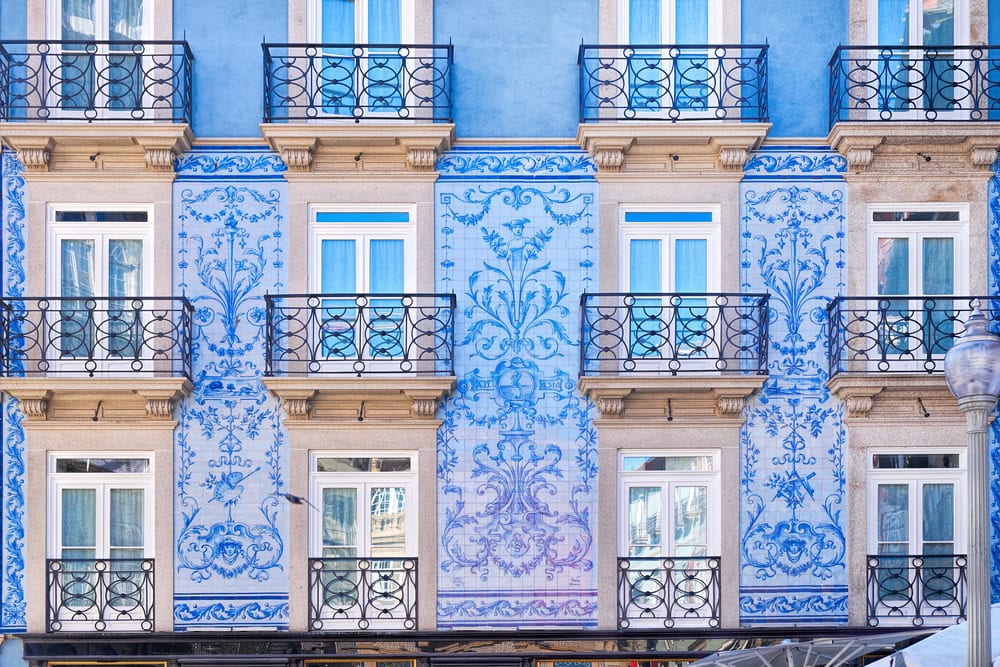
x=916, y=510
x=667, y=255
x=663, y=79
x=106, y=77
x=98, y=260
x=357, y=255
x=918, y=22
x=367, y=73
x=363, y=540
x=100, y=536
x=917, y=251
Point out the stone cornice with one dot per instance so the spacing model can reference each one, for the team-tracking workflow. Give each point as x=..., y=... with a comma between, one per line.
x=57, y=150
x=680, y=148
x=680, y=398
x=899, y=397
x=127, y=400
x=907, y=149
x=346, y=399
x=315, y=149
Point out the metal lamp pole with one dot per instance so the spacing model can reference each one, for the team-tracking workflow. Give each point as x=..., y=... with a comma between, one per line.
x=972, y=370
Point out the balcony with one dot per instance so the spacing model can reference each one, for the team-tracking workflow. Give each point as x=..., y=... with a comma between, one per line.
x=672, y=106
x=913, y=101
x=99, y=595
x=669, y=592
x=325, y=101
x=895, y=345
x=125, y=102
x=677, y=345
x=916, y=590
x=96, y=347
x=353, y=344
x=362, y=594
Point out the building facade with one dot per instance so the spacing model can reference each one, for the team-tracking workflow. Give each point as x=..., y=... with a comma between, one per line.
x=435, y=332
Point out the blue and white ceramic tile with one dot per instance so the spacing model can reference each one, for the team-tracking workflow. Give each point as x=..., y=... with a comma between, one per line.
x=231, y=453
x=13, y=239
x=517, y=454
x=993, y=283
x=793, y=445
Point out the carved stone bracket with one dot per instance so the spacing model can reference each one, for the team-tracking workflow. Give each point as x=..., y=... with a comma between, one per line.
x=35, y=405
x=298, y=404
x=421, y=158
x=425, y=403
x=983, y=156
x=36, y=158
x=609, y=158
x=732, y=158
x=611, y=404
x=669, y=399
x=297, y=158
x=859, y=405
x=160, y=159
x=730, y=406
x=383, y=399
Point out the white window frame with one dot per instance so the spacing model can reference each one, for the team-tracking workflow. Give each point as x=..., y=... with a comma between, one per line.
x=916, y=26
x=315, y=27
x=667, y=233
x=668, y=21
x=103, y=483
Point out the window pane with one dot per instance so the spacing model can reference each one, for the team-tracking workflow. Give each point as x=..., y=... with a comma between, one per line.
x=338, y=22
x=939, y=22
x=78, y=19
x=893, y=513
x=124, y=267
x=692, y=22
x=690, y=265
x=78, y=269
x=914, y=216
x=939, y=512
x=893, y=22
x=388, y=517
x=644, y=265
x=386, y=266
x=939, y=266
x=385, y=21
x=339, y=270
x=79, y=513
x=102, y=465
x=644, y=21
x=672, y=463
x=127, y=518
x=690, y=515
x=644, y=520
x=893, y=266
x=340, y=528
x=101, y=216
x=125, y=18
x=334, y=464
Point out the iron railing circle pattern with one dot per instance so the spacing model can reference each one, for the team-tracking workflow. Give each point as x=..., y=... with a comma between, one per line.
x=898, y=334
x=89, y=335
x=673, y=333
x=95, y=80
x=359, y=334
x=355, y=82
x=673, y=82
x=663, y=591
x=916, y=589
x=362, y=593
x=100, y=593
x=913, y=82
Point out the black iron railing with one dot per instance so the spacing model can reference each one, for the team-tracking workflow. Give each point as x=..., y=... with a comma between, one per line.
x=90, y=335
x=360, y=334
x=99, y=594
x=362, y=593
x=900, y=83
x=673, y=333
x=666, y=592
x=95, y=80
x=673, y=82
x=898, y=334
x=916, y=589
x=357, y=81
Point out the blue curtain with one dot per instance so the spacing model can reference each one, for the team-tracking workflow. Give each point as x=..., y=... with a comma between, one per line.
x=339, y=317
x=893, y=518
x=384, y=70
x=337, y=67
x=893, y=22
x=644, y=265
x=691, y=275
x=692, y=70
x=644, y=21
x=386, y=335
x=893, y=266
x=647, y=76
x=691, y=22
x=646, y=319
x=79, y=529
x=385, y=21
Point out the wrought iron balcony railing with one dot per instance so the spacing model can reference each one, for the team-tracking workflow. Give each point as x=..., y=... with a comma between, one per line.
x=916, y=589
x=357, y=81
x=669, y=592
x=907, y=83
x=673, y=333
x=95, y=80
x=673, y=82
x=96, y=335
x=362, y=593
x=361, y=334
x=99, y=594
x=898, y=334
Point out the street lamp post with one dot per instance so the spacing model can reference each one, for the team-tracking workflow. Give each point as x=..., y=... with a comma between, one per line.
x=972, y=370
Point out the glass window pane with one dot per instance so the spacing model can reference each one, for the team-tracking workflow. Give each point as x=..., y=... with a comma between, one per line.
x=939, y=266
x=692, y=22
x=78, y=20
x=644, y=520
x=337, y=464
x=340, y=517
x=386, y=266
x=893, y=461
x=893, y=266
x=671, y=463
x=127, y=518
x=125, y=19
x=644, y=22
x=939, y=22
x=893, y=513
x=385, y=21
x=690, y=265
x=939, y=512
x=79, y=515
x=124, y=267
x=388, y=521
x=644, y=265
x=690, y=515
x=339, y=266
x=893, y=22
x=78, y=269
x=338, y=22
x=102, y=465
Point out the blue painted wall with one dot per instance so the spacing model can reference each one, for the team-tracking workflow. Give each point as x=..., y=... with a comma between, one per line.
x=798, y=76
x=228, y=73
x=13, y=19
x=515, y=64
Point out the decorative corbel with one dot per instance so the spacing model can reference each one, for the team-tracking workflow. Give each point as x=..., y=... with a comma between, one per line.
x=425, y=403
x=730, y=406
x=297, y=158
x=421, y=158
x=983, y=156
x=35, y=406
x=609, y=158
x=859, y=405
x=36, y=158
x=732, y=158
x=298, y=405
x=159, y=403
x=159, y=159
